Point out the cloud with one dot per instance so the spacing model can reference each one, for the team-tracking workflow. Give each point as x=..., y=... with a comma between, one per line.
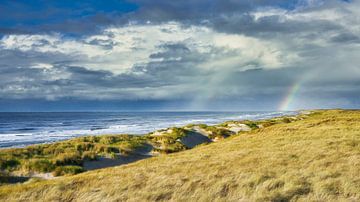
x=247, y=52
x=118, y=49
x=151, y=61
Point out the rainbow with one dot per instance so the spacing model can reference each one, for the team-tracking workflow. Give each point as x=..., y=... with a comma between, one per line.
x=285, y=105
x=288, y=102
x=293, y=92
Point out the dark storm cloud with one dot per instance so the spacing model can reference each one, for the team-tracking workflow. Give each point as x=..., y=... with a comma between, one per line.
x=220, y=54
x=197, y=10
x=273, y=25
x=346, y=38
x=18, y=80
x=77, y=17
x=232, y=16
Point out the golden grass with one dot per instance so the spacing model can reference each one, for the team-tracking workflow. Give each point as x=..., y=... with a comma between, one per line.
x=315, y=159
x=57, y=157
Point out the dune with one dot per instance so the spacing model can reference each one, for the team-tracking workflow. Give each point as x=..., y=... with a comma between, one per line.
x=119, y=159
x=315, y=158
x=193, y=139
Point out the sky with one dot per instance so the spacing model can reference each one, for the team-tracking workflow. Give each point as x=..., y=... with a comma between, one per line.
x=224, y=55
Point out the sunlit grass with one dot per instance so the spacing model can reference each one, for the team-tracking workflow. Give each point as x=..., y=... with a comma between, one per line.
x=314, y=159
x=55, y=157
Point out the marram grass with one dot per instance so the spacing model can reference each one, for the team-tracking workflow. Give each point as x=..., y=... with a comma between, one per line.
x=314, y=159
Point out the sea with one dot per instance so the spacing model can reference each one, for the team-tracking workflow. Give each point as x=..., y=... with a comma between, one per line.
x=19, y=129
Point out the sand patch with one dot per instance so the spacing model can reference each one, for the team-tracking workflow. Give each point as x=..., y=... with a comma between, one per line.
x=104, y=162
x=238, y=127
x=135, y=155
x=193, y=139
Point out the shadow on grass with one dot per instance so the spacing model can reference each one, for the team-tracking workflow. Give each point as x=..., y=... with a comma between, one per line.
x=104, y=162
x=13, y=179
x=193, y=139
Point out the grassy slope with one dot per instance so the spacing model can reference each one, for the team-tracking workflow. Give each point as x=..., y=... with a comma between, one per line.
x=67, y=157
x=313, y=159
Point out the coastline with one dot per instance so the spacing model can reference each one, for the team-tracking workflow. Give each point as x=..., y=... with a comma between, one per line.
x=24, y=129
x=87, y=153
x=312, y=158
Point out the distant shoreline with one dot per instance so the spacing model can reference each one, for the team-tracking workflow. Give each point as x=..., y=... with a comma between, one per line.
x=42, y=128
x=85, y=153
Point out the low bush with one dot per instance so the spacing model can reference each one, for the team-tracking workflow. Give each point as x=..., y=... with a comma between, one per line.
x=82, y=147
x=89, y=155
x=9, y=164
x=67, y=170
x=251, y=124
x=286, y=120
x=105, y=149
x=40, y=165
x=174, y=147
x=107, y=140
x=68, y=159
x=219, y=132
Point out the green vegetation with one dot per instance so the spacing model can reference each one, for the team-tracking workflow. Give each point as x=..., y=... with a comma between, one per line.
x=9, y=164
x=68, y=156
x=216, y=132
x=58, y=158
x=168, y=141
x=316, y=158
x=67, y=170
x=252, y=124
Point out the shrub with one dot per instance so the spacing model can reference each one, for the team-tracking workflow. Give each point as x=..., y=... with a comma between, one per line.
x=286, y=120
x=67, y=170
x=204, y=126
x=251, y=124
x=111, y=155
x=89, y=155
x=91, y=139
x=35, y=150
x=68, y=159
x=219, y=132
x=190, y=125
x=81, y=147
x=174, y=147
x=8, y=164
x=107, y=140
x=106, y=149
x=42, y=165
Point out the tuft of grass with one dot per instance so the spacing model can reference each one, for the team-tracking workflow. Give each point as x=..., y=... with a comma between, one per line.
x=67, y=170
x=39, y=165
x=169, y=141
x=216, y=131
x=252, y=124
x=9, y=164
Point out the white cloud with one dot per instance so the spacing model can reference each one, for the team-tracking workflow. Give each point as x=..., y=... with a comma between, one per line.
x=176, y=61
x=118, y=49
x=42, y=66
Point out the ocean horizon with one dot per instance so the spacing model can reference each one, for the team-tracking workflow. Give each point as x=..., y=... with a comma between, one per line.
x=19, y=129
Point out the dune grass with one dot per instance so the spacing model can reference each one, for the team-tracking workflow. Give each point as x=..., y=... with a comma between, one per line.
x=314, y=159
x=58, y=157
x=168, y=141
x=66, y=157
